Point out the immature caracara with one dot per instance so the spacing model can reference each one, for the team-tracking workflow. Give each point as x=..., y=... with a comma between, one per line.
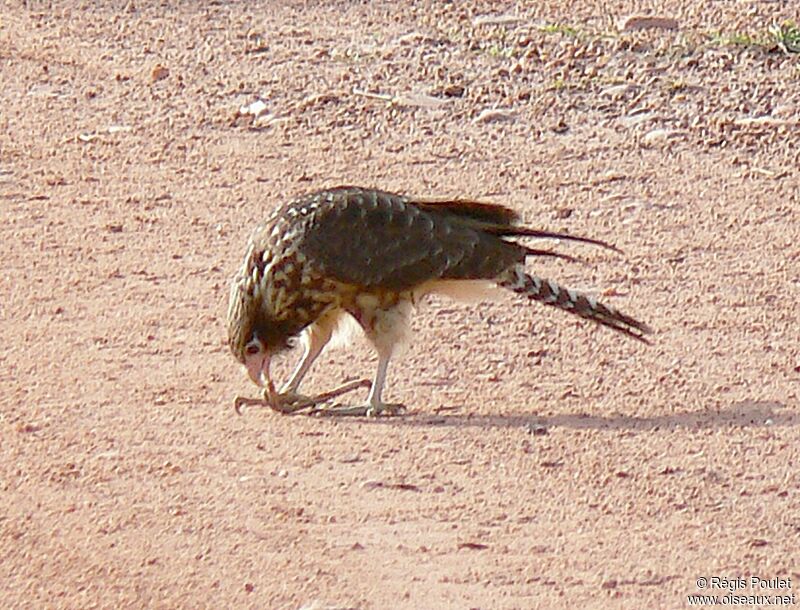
x=371, y=254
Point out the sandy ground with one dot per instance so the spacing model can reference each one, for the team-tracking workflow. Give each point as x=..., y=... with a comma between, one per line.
x=545, y=463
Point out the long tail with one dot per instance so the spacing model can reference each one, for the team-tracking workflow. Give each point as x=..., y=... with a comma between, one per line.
x=582, y=305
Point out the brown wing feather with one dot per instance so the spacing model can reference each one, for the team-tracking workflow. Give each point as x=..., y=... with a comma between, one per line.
x=527, y=232
x=497, y=220
x=485, y=213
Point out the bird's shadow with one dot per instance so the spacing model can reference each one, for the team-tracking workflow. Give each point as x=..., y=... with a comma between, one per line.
x=746, y=413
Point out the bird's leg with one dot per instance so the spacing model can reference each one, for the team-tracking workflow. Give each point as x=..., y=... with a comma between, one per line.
x=315, y=340
x=375, y=406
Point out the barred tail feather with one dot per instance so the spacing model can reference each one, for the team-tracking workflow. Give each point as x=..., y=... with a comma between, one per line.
x=585, y=306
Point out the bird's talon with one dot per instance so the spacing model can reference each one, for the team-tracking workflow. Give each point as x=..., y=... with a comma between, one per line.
x=246, y=401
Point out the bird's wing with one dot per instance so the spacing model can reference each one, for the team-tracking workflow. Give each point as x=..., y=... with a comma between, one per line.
x=498, y=220
x=486, y=214
x=380, y=240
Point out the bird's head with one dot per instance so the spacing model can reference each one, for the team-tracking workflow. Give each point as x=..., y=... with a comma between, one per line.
x=245, y=342
x=256, y=359
x=254, y=335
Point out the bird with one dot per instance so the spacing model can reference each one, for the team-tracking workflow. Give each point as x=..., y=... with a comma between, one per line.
x=370, y=255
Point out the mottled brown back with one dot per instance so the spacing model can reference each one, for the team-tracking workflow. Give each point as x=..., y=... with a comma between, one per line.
x=379, y=240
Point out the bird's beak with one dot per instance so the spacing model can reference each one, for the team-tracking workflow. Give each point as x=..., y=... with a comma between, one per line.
x=258, y=370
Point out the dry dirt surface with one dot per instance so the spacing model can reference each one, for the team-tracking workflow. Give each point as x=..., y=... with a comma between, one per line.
x=544, y=462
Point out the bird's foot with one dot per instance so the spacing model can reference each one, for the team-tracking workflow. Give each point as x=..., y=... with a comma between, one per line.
x=368, y=410
x=286, y=404
x=289, y=403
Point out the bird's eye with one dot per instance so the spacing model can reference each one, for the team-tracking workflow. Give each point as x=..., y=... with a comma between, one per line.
x=252, y=348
